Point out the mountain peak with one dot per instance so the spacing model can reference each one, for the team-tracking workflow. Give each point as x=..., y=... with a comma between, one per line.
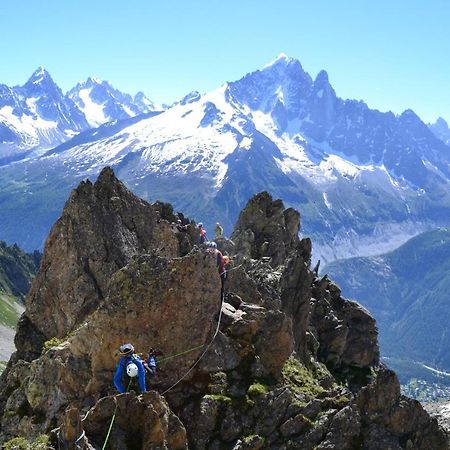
x=322, y=78
x=121, y=254
x=281, y=59
x=40, y=76
x=95, y=80
x=409, y=116
x=441, y=122
x=192, y=97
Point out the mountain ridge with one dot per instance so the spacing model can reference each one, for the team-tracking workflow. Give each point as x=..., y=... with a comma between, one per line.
x=38, y=114
x=362, y=176
x=287, y=362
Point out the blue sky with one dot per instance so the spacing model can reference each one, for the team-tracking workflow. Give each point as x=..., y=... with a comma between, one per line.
x=394, y=54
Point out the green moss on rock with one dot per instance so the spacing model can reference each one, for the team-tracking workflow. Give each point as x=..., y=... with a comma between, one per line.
x=218, y=398
x=257, y=389
x=42, y=442
x=301, y=379
x=52, y=342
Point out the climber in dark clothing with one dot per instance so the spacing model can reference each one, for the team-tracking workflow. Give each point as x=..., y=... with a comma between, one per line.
x=150, y=363
x=180, y=227
x=131, y=365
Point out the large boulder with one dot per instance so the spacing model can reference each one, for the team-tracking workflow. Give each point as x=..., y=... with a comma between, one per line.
x=144, y=422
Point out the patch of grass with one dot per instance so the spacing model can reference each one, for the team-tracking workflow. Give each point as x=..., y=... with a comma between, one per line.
x=301, y=379
x=52, y=342
x=17, y=443
x=257, y=389
x=42, y=442
x=339, y=402
x=218, y=398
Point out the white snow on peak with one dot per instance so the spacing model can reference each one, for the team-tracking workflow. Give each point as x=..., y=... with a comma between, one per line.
x=282, y=57
x=93, y=111
x=177, y=141
x=95, y=80
x=33, y=129
x=38, y=75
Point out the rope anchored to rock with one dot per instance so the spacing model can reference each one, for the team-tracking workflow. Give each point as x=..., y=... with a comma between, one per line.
x=216, y=332
x=204, y=351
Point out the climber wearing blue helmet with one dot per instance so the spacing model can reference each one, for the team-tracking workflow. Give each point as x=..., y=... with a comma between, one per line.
x=129, y=364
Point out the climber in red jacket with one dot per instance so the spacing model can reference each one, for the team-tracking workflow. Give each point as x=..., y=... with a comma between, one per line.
x=220, y=261
x=202, y=233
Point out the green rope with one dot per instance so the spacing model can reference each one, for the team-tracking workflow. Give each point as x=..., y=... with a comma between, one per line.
x=113, y=418
x=179, y=354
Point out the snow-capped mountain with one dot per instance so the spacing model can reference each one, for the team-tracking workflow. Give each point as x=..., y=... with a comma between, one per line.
x=39, y=115
x=365, y=181
x=101, y=103
x=441, y=130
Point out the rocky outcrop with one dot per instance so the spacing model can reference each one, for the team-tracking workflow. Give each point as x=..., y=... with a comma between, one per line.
x=144, y=421
x=292, y=366
x=344, y=332
x=440, y=411
x=398, y=421
x=265, y=229
x=101, y=228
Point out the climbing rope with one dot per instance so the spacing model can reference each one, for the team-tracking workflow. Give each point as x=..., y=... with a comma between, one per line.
x=216, y=332
x=182, y=378
x=113, y=418
x=167, y=358
x=202, y=354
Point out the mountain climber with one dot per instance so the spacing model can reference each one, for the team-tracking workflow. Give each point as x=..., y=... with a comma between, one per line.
x=218, y=230
x=202, y=233
x=150, y=363
x=131, y=364
x=180, y=227
x=221, y=261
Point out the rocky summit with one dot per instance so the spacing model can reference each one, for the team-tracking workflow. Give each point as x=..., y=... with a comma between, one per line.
x=292, y=365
